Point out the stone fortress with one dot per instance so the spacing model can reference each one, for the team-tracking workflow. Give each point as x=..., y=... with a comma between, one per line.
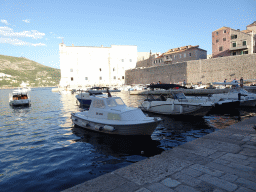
x=233, y=57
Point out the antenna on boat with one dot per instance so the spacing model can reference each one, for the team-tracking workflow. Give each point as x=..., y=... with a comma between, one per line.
x=109, y=95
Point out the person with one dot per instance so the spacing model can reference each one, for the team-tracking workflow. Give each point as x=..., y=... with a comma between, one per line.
x=225, y=81
x=235, y=81
x=184, y=83
x=159, y=82
x=241, y=82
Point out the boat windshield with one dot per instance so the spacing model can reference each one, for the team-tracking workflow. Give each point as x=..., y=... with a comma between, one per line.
x=111, y=102
x=97, y=103
x=119, y=101
x=179, y=96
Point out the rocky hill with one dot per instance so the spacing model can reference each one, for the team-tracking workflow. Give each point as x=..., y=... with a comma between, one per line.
x=15, y=70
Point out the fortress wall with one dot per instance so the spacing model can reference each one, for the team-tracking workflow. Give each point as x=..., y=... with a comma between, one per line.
x=206, y=70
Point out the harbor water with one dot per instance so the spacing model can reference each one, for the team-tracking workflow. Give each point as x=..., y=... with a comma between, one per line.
x=41, y=150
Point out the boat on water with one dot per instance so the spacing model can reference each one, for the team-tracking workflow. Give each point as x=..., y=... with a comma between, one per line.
x=19, y=97
x=176, y=103
x=110, y=115
x=84, y=99
x=237, y=95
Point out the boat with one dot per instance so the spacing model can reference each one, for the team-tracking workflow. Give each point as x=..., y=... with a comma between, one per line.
x=176, y=103
x=110, y=115
x=237, y=94
x=83, y=97
x=19, y=97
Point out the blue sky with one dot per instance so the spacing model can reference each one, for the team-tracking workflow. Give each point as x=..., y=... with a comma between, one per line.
x=34, y=29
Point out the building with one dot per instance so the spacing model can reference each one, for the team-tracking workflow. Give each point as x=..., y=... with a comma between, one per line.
x=227, y=41
x=180, y=54
x=86, y=66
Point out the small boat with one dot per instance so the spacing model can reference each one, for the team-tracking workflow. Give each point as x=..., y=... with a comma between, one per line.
x=19, y=97
x=177, y=104
x=110, y=115
x=83, y=97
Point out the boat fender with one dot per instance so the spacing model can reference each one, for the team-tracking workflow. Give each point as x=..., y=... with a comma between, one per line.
x=172, y=107
x=181, y=109
x=98, y=127
x=108, y=128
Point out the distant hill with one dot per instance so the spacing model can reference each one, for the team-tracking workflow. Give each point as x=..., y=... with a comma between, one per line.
x=15, y=70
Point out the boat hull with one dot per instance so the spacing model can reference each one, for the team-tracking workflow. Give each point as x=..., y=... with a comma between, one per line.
x=128, y=129
x=177, y=109
x=19, y=102
x=84, y=102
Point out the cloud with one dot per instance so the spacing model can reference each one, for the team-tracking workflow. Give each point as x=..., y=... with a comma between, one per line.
x=4, y=21
x=26, y=20
x=19, y=42
x=8, y=32
x=59, y=37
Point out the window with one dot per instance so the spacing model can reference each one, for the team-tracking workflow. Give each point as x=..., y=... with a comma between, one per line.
x=174, y=56
x=224, y=39
x=86, y=78
x=156, y=61
x=233, y=36
x=114, y=69
x=71, y=70
x=233, y=53
x=122, y=60
x=217, y=33
x=100, y=78
x=234, y=44
x=166, y=57
x=114, y=77
x=180, y=55
x=185, y=55
x=130, y=60
x=244, y=43
x=224, y=31
x=190, y=54
x=122, y=77
x=245, y=52
x=100, y=69
x=98, y=104
x=217, y=40
x=220, y=48
x=72, y=78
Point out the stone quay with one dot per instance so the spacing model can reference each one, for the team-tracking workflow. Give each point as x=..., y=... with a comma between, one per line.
x=224, y=160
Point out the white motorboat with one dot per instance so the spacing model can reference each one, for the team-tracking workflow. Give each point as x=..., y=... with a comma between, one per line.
x=83, y=98
x=177, y=104
x=111, y=115
x=19, y=97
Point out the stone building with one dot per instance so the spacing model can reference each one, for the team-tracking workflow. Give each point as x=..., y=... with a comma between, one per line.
x=227, y=41
x=83, y=66
x=180, y=54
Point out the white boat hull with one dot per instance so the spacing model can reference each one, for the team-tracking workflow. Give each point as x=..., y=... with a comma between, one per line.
x=134, y=128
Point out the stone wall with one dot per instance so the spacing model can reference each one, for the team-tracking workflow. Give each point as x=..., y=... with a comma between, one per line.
x=206, y=70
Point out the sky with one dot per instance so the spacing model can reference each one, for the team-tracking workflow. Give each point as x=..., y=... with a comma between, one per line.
x=34, y=29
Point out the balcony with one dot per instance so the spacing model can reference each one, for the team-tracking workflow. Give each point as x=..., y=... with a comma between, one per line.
x=239, y=48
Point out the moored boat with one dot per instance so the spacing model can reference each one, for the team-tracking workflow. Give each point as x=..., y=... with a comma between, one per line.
x=19, y=97
x=177, y=104
x=110, y=115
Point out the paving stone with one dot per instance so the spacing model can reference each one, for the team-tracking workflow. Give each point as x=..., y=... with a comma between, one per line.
x=229, y=156
x=151, y=170
x=143, y=190
x=242, y=189
x=249, y=146
x=248, y=152
x=218, y=182
x=229, y=177
x=241, y=167
x=191, y=172
x=247, y=175
x=246, y=183
x=158, y=187
x=207, y=170
x=186, y=179
x=204, y=186
x=111, y=181
x=218, y=190
x=221, y=161
x=170, y=182
x=184, y=188
x=182, y=154
x=217, y=155
x=127, y=187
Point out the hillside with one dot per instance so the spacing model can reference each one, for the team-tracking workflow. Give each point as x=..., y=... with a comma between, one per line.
x=15, y=70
